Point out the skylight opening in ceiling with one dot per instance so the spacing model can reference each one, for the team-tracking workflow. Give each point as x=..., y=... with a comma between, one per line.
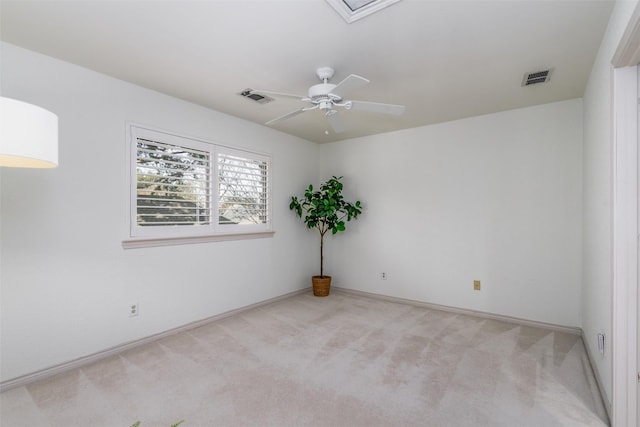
x=352, y=10
x=357, y=4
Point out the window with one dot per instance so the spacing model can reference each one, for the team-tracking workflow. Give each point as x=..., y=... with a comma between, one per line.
x=173, y=184
x=186, y=188
x=242, y=188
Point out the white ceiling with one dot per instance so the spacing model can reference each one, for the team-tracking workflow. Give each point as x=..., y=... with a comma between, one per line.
x=444, y=60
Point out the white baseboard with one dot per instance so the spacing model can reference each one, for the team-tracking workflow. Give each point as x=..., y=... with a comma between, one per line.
x=508, y=319
x=606, y=403
x=92, y=358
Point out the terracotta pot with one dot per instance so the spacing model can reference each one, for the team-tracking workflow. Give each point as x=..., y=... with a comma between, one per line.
x=321, y=285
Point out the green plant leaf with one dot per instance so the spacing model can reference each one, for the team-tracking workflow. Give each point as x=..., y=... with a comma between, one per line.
x=325, y=209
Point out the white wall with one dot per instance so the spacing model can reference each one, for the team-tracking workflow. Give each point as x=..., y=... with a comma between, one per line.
x=496, y=198
x=66, y=281
x=598, y=216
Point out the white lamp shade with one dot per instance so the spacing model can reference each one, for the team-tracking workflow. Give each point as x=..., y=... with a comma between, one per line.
x=28, y=135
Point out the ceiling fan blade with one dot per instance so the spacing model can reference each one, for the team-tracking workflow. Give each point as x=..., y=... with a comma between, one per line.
x=349, y=84
x=376, y=107
x=286, y=116
x=279, y=94
x=336, y=122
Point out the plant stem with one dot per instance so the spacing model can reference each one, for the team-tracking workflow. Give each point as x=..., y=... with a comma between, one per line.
x=321, y=254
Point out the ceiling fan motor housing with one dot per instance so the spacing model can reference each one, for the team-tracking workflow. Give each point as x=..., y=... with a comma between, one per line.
x=321, y=93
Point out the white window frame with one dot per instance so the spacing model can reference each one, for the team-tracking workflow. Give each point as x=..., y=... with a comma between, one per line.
x=146, y=236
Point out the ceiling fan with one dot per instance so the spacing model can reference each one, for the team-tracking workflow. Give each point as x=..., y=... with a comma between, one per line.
x=328, y=98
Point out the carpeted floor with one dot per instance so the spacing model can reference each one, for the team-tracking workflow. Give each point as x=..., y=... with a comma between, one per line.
x=344, y=360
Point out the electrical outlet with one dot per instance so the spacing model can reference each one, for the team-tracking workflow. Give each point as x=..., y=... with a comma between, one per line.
x=134, y=309
x=476, y=285
x=601, y=343
x=383, y=275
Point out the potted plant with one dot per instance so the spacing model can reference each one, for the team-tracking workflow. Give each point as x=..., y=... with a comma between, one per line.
x=325, y=209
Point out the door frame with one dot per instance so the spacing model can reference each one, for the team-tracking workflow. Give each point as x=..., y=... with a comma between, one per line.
x=625, y=241
x=625, y=226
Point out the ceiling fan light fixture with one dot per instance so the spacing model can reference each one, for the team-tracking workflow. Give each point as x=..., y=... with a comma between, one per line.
x=326, y=106
x=352, y=10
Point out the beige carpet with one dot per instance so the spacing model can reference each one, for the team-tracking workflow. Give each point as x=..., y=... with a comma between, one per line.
x=343, y=360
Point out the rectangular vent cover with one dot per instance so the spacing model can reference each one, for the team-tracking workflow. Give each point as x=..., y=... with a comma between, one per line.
x=260, y=99
x=536, y=77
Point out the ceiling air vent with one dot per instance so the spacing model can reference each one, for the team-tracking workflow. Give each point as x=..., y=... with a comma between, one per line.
x=260, y=99
x=536, y=77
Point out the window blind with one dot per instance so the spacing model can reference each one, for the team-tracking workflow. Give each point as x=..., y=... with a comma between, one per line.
x=243, y=188
x=172, y=184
